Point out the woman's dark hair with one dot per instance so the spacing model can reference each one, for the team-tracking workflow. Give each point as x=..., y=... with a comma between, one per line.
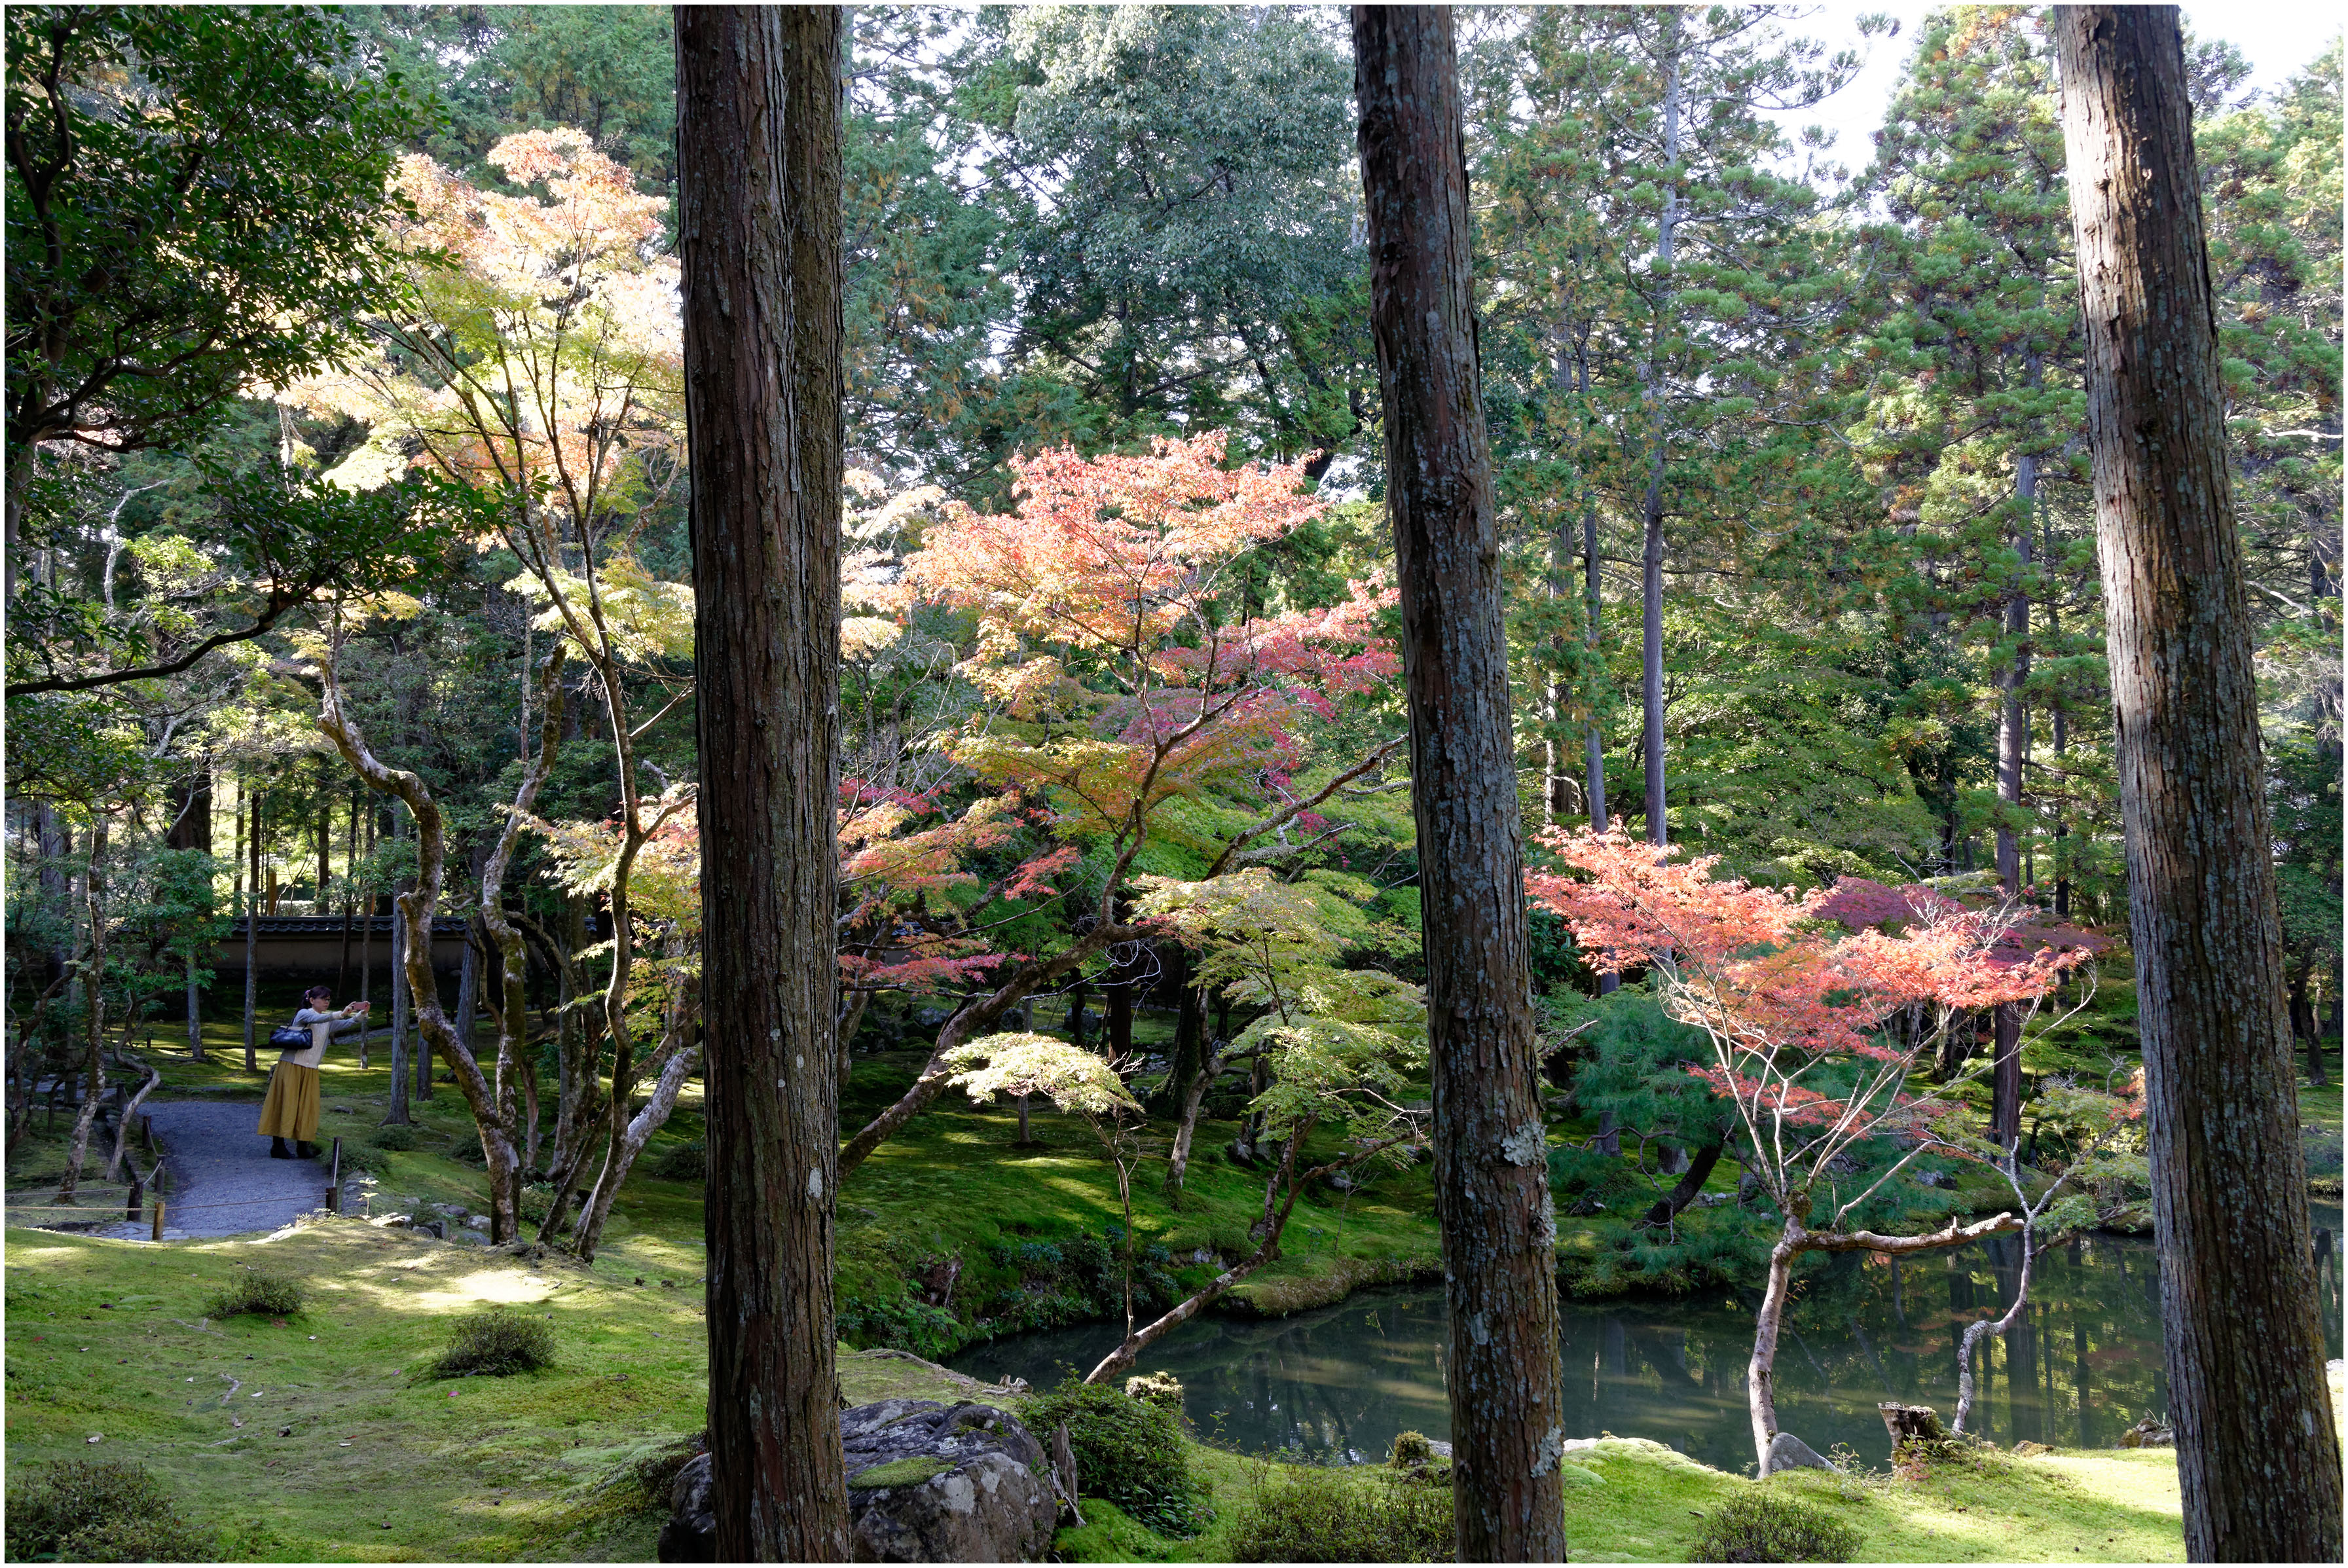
x=325, y=991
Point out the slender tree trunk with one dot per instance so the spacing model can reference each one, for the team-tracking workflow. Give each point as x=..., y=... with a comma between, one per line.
x=1996, y=1327
x=93, y=992
x=468, y=986
x=1275, y=1220
x=1492, y=1174
x=366, y=944
x=428, y=979
x=1761, y=1370
x=758, y=143
x=2258, y=1454
x=1669, y=1207
x=1651, y=558
x=2013, y=748
x=490, y=1101
x=1594, y=743
x=397, y=1116
x=1186, y=1123
x=250, y=817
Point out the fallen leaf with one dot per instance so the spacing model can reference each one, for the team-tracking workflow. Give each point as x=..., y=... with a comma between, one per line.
x=98, y=1436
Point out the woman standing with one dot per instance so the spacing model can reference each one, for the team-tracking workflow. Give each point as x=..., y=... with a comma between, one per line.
x=292, y=1109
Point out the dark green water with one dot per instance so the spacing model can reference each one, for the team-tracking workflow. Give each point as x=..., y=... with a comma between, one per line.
x=2082, y=1366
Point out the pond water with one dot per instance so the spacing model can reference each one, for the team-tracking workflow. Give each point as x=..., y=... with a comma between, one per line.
x=2081, y=1367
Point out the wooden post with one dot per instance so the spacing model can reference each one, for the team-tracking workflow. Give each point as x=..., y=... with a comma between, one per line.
x=135, y=1200
x=155, y=1232
x=334, y=1179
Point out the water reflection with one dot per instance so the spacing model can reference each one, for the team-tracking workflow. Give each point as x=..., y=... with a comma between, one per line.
x=2082, y=1366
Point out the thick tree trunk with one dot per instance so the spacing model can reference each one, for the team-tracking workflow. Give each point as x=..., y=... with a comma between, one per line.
x=759, y=146
x=1491, y=1173
x=2257, y=1455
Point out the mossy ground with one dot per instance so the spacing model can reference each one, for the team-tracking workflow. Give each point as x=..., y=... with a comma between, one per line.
x=520, y=1468
x=344, y=1453
x=2081, y=1507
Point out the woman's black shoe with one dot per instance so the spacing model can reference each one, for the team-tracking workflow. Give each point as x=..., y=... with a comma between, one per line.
x=305, y=1151
x=277, y=1150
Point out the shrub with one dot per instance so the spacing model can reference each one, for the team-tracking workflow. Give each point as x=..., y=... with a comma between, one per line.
x=1765, y=1525
x=396, y=1137
x=1161, y=1388
x=1127, y=1450
x=687, y=1161
x=496, y=1345
x=88, y=1511
x=1411, y=1451
x=260, y=1294
x=1308, y=1514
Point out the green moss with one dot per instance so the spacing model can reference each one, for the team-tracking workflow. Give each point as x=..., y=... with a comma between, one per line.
x=899, y=1472
x=2071, y=1506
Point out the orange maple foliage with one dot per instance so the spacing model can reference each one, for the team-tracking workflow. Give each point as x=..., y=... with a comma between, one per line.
x=1104, y=636
x=1781, y=987
x=1122, y=674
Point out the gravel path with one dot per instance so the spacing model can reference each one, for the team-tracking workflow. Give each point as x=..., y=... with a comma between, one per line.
x=224, y=1182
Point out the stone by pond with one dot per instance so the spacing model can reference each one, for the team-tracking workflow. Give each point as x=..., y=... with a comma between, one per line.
x=2081, y=1368
x=926, y=1484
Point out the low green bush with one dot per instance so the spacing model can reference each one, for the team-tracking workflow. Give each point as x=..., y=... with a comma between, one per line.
x=261, y=1294
x=1161, y=1388
x=1764, y=1525
x=396, y=1137
x=496, y=1345
x=1129, y=1451
x=687, y=1161
x=92, y=1510
x=1301, y=1513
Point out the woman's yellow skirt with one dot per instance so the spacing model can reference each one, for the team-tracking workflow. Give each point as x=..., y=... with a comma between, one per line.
x=292, y=1109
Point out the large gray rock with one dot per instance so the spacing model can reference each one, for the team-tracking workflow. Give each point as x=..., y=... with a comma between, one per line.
x=936, y=1483
x=1787, y=1451
x=926, y=1484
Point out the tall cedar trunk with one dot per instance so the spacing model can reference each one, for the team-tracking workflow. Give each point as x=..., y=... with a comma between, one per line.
x=759, y=146
x=1595, y=742
x=1491, y=1171
x=1651, y=558
x=2012, y=750
x=2257, y=1455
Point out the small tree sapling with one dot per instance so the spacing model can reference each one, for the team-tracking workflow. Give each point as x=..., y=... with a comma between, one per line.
x=1800, y=1014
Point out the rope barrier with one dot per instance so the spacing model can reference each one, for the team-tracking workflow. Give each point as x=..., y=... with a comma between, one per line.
x=97, y=1212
